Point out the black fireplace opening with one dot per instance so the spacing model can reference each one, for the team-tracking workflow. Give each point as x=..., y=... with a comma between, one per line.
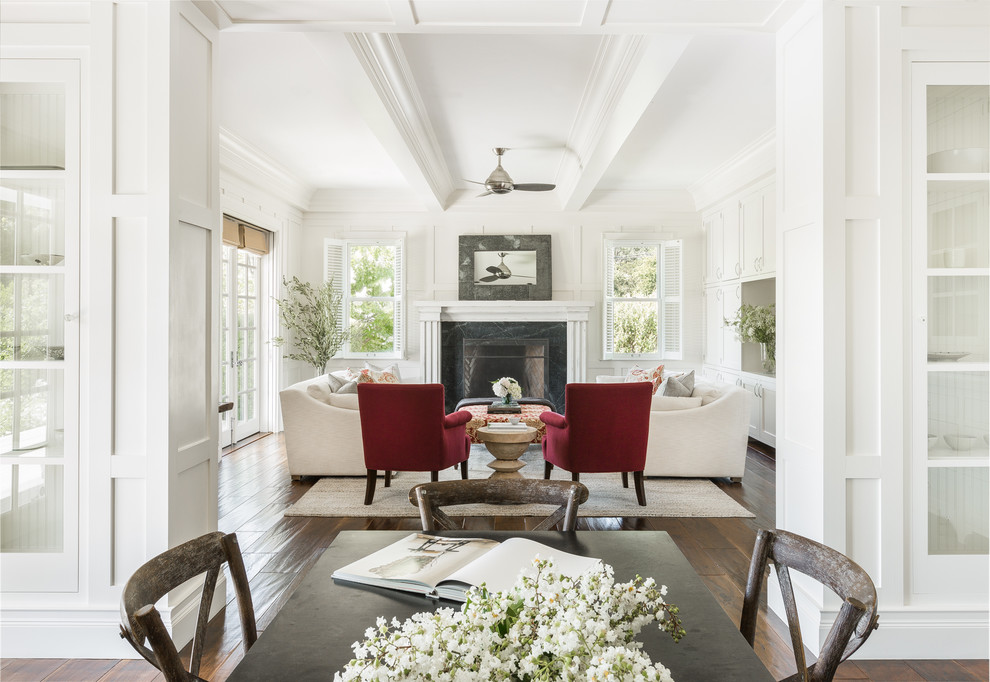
x=474, y=354
x=525, y=360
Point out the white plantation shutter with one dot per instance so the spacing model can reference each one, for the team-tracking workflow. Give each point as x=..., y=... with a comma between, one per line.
x=671, y=300
x=400, y=279
x=608, y=342
x=333, y=268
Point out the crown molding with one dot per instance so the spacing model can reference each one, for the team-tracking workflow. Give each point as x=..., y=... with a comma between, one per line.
x=384, y=62
x=753, y=162
x=243, y=160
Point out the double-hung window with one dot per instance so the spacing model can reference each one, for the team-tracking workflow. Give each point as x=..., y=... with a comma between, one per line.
x=369, y=273
x=643, y=304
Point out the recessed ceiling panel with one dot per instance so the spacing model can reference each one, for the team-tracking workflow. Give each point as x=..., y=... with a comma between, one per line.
x=485, y=91
x=718, y=99
x=499, y=12
x=278, y=93
x=334, y=11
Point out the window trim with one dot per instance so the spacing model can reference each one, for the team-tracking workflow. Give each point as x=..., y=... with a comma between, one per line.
x=663, y=299
x=344, y=271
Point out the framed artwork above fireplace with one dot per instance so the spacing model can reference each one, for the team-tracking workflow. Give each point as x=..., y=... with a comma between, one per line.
x=502, y=267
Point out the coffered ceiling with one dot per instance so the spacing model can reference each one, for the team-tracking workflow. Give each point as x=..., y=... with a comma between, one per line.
x=404, y=99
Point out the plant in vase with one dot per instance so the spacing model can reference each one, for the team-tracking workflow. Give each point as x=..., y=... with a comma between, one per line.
x=507, y=389
x=758, y=324
x=312, y=315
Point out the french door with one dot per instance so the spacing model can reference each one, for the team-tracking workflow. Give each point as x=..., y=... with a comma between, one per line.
x=239, y=343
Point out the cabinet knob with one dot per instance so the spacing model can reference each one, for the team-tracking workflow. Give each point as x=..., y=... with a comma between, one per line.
x=738, y=269
x=718, y=273
x=756, y=264
x=71, y=317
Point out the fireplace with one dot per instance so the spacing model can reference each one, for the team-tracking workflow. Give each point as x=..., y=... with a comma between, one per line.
x=474, y=354
x=526, y=360
x=443, y=326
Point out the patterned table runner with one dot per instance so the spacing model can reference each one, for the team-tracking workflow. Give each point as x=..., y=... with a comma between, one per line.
x=530, y=416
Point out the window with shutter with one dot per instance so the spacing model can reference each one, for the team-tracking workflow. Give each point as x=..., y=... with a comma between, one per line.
x=371, y=275
x=642, y=299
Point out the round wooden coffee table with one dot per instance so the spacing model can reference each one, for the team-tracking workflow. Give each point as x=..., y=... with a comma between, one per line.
x=506, y=447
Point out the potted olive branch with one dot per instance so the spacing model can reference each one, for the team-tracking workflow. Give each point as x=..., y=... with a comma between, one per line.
x=312, y=319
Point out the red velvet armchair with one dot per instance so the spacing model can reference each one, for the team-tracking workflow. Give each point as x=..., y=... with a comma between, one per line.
x=604, y=429
x=404, y=428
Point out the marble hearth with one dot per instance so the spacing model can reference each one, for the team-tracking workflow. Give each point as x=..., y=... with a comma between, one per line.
x=445, y=324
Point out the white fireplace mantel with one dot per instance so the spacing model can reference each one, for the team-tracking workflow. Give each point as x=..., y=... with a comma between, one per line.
x=432, y=313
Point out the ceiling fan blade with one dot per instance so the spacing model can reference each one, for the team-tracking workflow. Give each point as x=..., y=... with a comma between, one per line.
x=534, y=187
x=485, y=194
x=489, y=278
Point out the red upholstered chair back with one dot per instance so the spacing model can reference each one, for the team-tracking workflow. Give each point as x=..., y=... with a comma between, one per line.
x=608, y=426
x=402, y=426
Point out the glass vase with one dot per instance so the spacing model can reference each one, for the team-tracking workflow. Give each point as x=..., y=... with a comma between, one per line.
x=769, y=357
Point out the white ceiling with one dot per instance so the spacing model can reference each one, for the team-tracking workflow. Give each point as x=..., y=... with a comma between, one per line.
x=408, y=97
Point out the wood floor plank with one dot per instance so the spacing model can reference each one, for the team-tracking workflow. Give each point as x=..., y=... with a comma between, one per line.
x=943, y=671
x=980, y=668
x=81, y=669
x=894, y=671
x=850, y=671
x=138, y=670
x=31, y=669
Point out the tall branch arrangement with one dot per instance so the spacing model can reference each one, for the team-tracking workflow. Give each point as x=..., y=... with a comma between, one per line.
x=312, y=317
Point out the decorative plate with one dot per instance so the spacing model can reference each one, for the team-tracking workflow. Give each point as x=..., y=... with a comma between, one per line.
x=945, y=356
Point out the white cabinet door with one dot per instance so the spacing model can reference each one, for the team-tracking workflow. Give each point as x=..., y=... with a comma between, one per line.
x=751, y=217
x=731, y=345
x=731, y=265
x=713, y=226
x=763, y=408
x=713, y=326
x=769, y=262
x=768, y=433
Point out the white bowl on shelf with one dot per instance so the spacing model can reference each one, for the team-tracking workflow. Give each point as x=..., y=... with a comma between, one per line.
x=960, y=442
x=967, y=160
x=932, y=439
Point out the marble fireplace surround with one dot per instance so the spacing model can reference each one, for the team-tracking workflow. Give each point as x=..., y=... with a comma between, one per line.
x=433, y=313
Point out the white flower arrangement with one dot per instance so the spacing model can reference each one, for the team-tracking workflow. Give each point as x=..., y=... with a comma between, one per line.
x=507, y=386
x=546, y=627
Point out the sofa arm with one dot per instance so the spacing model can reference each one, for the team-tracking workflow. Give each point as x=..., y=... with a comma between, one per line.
x=553, y=419
x=455, y=419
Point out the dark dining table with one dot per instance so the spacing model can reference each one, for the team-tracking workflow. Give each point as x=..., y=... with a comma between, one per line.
x=311, y=636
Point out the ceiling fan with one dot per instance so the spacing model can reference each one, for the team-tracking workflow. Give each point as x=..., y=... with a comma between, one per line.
x=499, y=181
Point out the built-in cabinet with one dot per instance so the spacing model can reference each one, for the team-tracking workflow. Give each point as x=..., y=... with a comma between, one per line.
x=951, y=318
x=740, y=243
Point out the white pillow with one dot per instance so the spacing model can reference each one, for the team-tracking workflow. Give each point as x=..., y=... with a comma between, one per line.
x=707, y=392
x=392, y=369
x=347, y=401
x=609, y=379
x=665, y=403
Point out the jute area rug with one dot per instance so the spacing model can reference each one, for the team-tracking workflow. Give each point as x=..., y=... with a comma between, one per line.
x=679, y=497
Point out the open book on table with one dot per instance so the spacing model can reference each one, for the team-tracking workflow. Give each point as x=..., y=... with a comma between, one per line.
x=446, y=567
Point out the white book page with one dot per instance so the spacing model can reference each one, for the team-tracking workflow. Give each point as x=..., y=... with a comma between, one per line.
x=500, y=567
x=418, y=559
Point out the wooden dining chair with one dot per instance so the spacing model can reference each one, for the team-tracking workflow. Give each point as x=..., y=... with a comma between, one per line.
x=156, y=578
x=856, y=620
x=430, y=496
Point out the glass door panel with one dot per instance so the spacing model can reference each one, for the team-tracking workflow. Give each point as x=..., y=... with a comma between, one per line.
x=39, y=350
x=951, y=187
x=239, y=376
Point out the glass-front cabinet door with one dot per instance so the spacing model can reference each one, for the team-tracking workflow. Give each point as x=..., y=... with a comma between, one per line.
x=39, y=338
x=950, y=494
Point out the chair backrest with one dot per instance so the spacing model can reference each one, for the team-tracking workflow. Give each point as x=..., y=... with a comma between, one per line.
x=156, y=578
x=608, y=420
x=429, y=497
x=856, y=620
x=402, y=424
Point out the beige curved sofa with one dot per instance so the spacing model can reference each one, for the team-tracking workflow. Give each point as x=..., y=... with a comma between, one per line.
x=706, y=441
x=322, y=430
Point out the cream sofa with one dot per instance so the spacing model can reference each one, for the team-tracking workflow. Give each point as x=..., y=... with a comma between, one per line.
x=322, y=430
x=703, y=436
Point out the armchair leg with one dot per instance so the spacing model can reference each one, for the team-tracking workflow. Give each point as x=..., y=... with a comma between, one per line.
x=464, y=470
x=369, y=491
x=640, y=488
x=388, y=478
x=625, y=479
x=547, y=468
x=576, y=477
x=434, y=476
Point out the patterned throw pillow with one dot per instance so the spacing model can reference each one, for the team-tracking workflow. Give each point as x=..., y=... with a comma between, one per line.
x=680, y=386
x=655, y=375
x=370, y=376
x=392, y=369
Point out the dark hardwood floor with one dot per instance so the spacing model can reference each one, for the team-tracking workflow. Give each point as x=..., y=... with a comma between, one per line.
x=255, y=489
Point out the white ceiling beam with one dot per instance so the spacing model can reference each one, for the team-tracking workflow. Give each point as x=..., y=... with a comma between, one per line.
x=628, y=72
x=386, y=94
